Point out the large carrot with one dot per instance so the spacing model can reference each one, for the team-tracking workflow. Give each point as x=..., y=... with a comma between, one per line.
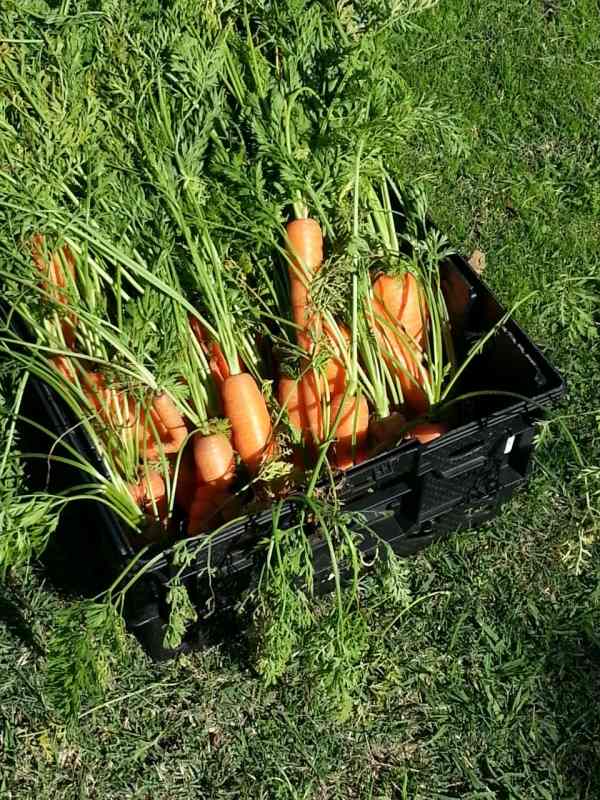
x=304, y=241
x=352, y=415
x=214, y=459
x=403, y=300
x=247, y=411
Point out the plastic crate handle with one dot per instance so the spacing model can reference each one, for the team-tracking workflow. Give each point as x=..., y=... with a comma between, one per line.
x=466, y=460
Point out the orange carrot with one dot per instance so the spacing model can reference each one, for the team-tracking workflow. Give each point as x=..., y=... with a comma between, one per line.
x=217, y=362
x=335, y=370
x=187, y=481
x=289, y=396
x=402, y=298
x=352, y=428
x=406, y=365
x=51, y=267
x=247, y=411
x=428, y=431
x=305, y=246
x=150, y=492
x=170, y=427
x=205, y=509
x=64, y=366
x=213, y=459
x=402, y=360
x=310, y=395
x=306, y=338
x=95, y=390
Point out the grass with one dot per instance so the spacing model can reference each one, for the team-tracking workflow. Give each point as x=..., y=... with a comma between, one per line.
x=488, y=687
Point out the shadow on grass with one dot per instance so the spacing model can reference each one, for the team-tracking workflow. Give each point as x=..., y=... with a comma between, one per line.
x=573, y=669
x=13, y=619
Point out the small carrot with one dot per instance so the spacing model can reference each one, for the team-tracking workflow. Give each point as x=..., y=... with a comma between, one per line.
x=51, y=266
x=214, y=459
x=246, y=409
x=352, y=415
x=150, y=494
x=304, y=240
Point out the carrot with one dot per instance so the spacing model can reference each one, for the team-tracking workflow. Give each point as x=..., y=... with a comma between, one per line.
x=352, y=427
x=306, y=338
x=213, y=459
x=428, y=431
x=401, y=359
x=216, y=360
x=289, y=396
x=310, y=395
x=335, y=370
x=304, y=241
x=51, y=267
x=187, y=481
x=405, y=364
x=387, y=429
x=94, y=388
x=170, y=426
x=247, y=411
x=148, y=492
x=205, y=508
x=402, y=298
x=64, y=366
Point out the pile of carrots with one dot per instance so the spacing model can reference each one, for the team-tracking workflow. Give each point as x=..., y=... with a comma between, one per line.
x=322, y=408
x=396, y=308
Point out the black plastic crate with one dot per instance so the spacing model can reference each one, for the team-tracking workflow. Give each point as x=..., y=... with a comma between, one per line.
x=410, y=496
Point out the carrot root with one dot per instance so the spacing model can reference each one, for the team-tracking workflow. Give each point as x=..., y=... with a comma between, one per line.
x=246, y=409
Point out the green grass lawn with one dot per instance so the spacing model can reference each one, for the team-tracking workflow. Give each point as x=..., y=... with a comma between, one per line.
x=489, y=687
